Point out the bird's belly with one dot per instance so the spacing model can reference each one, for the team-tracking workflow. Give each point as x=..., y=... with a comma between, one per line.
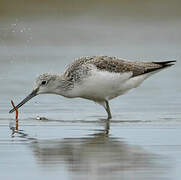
x=101, y=85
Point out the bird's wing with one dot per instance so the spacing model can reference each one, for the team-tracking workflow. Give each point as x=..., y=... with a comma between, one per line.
x=116, y=65
x=113, y=64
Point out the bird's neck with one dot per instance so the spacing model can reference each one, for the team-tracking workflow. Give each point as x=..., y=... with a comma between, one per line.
x=64, y=86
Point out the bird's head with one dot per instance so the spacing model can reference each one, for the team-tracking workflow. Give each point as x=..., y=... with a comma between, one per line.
x=45, y=83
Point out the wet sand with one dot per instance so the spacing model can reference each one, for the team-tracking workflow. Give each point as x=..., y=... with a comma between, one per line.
x=86, y=149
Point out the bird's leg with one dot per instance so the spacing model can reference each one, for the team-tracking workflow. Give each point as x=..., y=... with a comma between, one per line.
x=105, y=104
x=107, y=127
x=108, y=110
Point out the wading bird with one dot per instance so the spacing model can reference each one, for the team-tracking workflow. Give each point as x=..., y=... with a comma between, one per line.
x=96, y=78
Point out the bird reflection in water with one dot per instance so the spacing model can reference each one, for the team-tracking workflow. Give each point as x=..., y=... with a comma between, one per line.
x=98, y=156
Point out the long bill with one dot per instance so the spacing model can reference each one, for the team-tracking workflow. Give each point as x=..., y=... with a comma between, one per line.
x=30, y=96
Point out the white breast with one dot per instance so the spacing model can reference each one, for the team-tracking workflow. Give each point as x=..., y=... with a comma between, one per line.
x=101, y=85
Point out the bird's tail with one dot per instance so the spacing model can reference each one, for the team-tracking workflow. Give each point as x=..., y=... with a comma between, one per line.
x=162, y=65
x=165, y=63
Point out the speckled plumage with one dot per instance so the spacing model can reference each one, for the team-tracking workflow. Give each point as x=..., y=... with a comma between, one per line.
x=106, y=63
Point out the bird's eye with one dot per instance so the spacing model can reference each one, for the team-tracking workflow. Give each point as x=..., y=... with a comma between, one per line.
x=43, y=82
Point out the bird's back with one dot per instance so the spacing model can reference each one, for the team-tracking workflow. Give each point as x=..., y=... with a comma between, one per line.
x=115, y=65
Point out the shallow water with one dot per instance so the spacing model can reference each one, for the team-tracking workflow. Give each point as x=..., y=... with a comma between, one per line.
x=142, y=140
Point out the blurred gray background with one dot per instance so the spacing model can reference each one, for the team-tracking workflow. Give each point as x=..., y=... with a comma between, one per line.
x=119, y=24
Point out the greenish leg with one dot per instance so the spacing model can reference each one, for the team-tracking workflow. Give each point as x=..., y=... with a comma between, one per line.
x=108, y=110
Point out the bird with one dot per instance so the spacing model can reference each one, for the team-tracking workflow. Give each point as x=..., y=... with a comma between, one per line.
x=96, y=78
